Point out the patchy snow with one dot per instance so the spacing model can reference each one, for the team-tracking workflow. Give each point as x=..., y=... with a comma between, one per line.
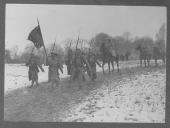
x=129, y=98
x=140, y=98
x=16, y=76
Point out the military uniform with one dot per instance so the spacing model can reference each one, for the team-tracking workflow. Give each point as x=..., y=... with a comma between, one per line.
x=54, y=66
x=68, y=61
x=92, y=62
x=33, y=69
x=78, y=66
x=49, y=73
x=49, y=69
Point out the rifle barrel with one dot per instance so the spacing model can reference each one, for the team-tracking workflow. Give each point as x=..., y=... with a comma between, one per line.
x=70, y=44
x=77, y=42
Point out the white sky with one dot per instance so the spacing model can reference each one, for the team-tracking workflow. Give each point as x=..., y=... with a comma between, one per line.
x=65, y=21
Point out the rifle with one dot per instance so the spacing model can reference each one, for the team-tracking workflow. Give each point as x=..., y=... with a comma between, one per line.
x=52, y=49
x=77, y=45
x=91, y=44
x=70, y=44
x=77, y=42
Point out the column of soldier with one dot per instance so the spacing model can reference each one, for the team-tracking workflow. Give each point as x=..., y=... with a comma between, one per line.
x=77, y=64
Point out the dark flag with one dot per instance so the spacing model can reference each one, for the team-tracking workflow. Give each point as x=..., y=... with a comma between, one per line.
x=36, y=37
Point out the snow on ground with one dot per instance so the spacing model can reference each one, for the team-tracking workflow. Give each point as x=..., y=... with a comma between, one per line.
x=16, y=75
x=140, y=98
x=129, y=98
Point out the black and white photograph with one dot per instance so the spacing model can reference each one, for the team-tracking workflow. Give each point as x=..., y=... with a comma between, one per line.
x=85, y=63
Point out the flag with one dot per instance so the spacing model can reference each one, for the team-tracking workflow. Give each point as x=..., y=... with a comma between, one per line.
x=36, y=37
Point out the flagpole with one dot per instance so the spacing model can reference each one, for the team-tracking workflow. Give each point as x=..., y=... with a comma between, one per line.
x=43, y=43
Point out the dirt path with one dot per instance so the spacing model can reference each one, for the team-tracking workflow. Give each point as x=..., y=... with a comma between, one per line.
x=47, y=104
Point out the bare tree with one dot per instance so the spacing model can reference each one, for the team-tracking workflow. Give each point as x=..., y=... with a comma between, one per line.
x=160, y=35
x=161, y=38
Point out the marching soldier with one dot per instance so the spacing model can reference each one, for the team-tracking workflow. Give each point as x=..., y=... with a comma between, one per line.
x=33, y=69
x=78, y=66
x=68, y=61
x=92, y=61
x=54, y=66
x=49, y=69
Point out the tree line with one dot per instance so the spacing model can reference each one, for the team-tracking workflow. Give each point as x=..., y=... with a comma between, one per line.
x=124, y=45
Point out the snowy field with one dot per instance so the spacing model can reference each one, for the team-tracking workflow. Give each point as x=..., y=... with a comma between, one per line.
x=16, y=75
x=140, y=98
x=133, y=95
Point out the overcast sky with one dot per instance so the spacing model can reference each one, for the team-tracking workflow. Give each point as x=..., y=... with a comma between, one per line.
x=65, y=21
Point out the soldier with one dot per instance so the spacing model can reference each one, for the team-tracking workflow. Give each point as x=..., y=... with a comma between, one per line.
x=92, y=61
x=78, y=66
x=68, y=61
x=33, y=69
x=49, y=69
x=54, y=66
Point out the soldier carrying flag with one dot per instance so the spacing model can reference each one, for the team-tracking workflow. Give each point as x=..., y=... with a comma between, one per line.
x=33, y=69
x=36, y=37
